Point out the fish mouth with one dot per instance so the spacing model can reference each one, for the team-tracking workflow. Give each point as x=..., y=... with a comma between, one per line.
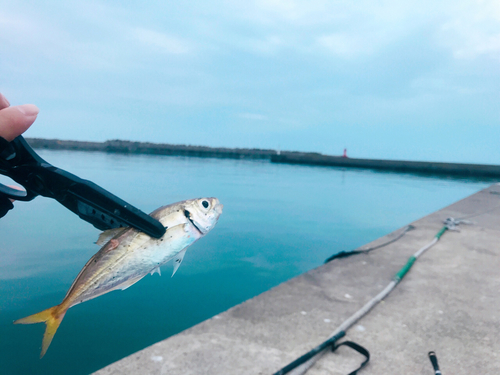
x=188, y=216
x=218, y=208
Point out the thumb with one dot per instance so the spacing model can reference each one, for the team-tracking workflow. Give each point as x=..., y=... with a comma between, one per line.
x=16, y=120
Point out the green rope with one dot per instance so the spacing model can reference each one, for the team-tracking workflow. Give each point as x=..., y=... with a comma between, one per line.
x=402, y=272
x=440, y=233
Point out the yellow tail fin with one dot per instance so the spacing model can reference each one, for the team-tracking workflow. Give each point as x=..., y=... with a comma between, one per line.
x=52, y=318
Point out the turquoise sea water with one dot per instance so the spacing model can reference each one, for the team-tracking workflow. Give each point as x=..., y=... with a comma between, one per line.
x=278, y=221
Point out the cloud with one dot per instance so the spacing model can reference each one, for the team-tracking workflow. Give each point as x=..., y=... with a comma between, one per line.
x=160, y=41
x=268, y=44
x=285, y=9
x=295, y=12
x=43, y=40
x=467, y=29
x=253, y=116
x=89, y=36
x=471, y=30
x=344, y=45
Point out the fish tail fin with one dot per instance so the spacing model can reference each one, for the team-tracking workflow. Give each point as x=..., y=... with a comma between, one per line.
x=52, y=318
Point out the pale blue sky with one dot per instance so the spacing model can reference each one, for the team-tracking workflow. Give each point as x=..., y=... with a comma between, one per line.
x=415, y=80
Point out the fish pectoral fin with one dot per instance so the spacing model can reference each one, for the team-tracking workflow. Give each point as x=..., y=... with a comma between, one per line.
x=105, y=236
x=52, y=318
x=113, y=244
x=157, y=269
x=178, y=260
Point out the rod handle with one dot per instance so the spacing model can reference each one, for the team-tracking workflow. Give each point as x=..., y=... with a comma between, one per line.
x=434, y=361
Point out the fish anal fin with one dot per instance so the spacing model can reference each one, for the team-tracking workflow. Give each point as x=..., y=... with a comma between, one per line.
x=52, y=318
x=178, y=260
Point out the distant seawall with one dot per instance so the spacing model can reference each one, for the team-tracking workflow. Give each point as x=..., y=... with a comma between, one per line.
x=420, y=167
x=286, y=157
x=128, y=147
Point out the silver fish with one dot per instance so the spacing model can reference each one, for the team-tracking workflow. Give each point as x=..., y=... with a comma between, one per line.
x=128, y=255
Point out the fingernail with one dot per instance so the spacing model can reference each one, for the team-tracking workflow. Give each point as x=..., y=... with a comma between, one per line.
x=4, y=101
x=28, y=109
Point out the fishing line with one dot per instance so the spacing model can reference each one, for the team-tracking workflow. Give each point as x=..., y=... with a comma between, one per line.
x=345, y=254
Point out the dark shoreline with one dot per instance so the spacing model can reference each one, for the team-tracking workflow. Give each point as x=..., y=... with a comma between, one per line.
x=128, y=147
x=286, y=157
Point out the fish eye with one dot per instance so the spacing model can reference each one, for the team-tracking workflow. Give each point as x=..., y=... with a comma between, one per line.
x=205, y=204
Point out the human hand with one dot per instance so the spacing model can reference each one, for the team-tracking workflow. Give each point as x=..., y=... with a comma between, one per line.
x=15, y=120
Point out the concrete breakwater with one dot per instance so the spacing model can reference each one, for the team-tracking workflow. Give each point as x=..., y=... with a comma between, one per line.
x=455, y=169
x=287, y=157
x=128, y=147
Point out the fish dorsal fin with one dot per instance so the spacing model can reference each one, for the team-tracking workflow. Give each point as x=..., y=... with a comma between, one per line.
x=157, y=269
x=105, y=236
x=178, y=260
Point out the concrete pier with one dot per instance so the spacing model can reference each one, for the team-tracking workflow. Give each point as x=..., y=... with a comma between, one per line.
x=449, y=303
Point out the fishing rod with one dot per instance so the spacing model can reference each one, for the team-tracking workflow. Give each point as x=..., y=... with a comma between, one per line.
x=302, y=364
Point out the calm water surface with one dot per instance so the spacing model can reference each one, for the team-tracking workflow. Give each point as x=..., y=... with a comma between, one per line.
x=278, y=221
